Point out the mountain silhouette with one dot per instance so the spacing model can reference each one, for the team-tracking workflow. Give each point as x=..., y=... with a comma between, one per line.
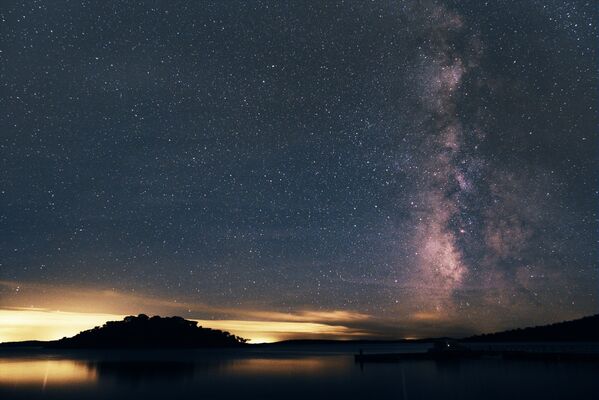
x=144, y=332
x=580, y=330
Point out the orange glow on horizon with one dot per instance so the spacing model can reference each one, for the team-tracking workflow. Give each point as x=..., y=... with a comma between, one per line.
x=38, y=324
x=273, y=331
x=84, y=308
x=20, y=324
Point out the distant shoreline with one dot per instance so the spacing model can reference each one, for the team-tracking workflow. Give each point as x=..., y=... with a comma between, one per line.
x=583, y=330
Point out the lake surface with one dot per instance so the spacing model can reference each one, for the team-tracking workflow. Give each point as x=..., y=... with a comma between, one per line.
x=300, y=372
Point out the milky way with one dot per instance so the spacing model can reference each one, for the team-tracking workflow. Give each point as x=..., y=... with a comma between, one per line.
x=379, y=168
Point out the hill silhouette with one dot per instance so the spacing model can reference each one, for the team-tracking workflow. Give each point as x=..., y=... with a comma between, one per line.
x=144, y=332
x=580, y=330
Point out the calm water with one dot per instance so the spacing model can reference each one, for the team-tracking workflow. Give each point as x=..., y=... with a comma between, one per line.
x=289, y=373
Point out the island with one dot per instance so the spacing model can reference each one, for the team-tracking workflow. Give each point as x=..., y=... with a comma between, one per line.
x=149, y=332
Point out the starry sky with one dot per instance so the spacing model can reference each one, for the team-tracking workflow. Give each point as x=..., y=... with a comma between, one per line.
x=293, y=169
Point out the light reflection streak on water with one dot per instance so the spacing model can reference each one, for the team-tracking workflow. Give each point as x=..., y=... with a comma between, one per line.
x=44, y=373
x=285, y=366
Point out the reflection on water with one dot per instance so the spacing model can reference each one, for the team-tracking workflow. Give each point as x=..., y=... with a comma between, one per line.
x=282, y=373
x=43, y=373
x=139, y=371
x=309, y=365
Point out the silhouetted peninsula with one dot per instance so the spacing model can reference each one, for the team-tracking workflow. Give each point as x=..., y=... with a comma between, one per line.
x=145, y=332
x=580, y=330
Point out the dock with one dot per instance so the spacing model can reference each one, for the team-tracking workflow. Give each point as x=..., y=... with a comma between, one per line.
x=451, y=350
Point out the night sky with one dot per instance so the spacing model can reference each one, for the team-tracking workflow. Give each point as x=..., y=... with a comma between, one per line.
x=339, y=168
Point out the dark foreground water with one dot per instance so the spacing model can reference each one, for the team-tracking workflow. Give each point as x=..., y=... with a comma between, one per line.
x=325, y=372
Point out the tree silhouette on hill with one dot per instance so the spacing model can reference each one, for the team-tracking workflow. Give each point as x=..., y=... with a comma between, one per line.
x=156, y=332
x=580, y=330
